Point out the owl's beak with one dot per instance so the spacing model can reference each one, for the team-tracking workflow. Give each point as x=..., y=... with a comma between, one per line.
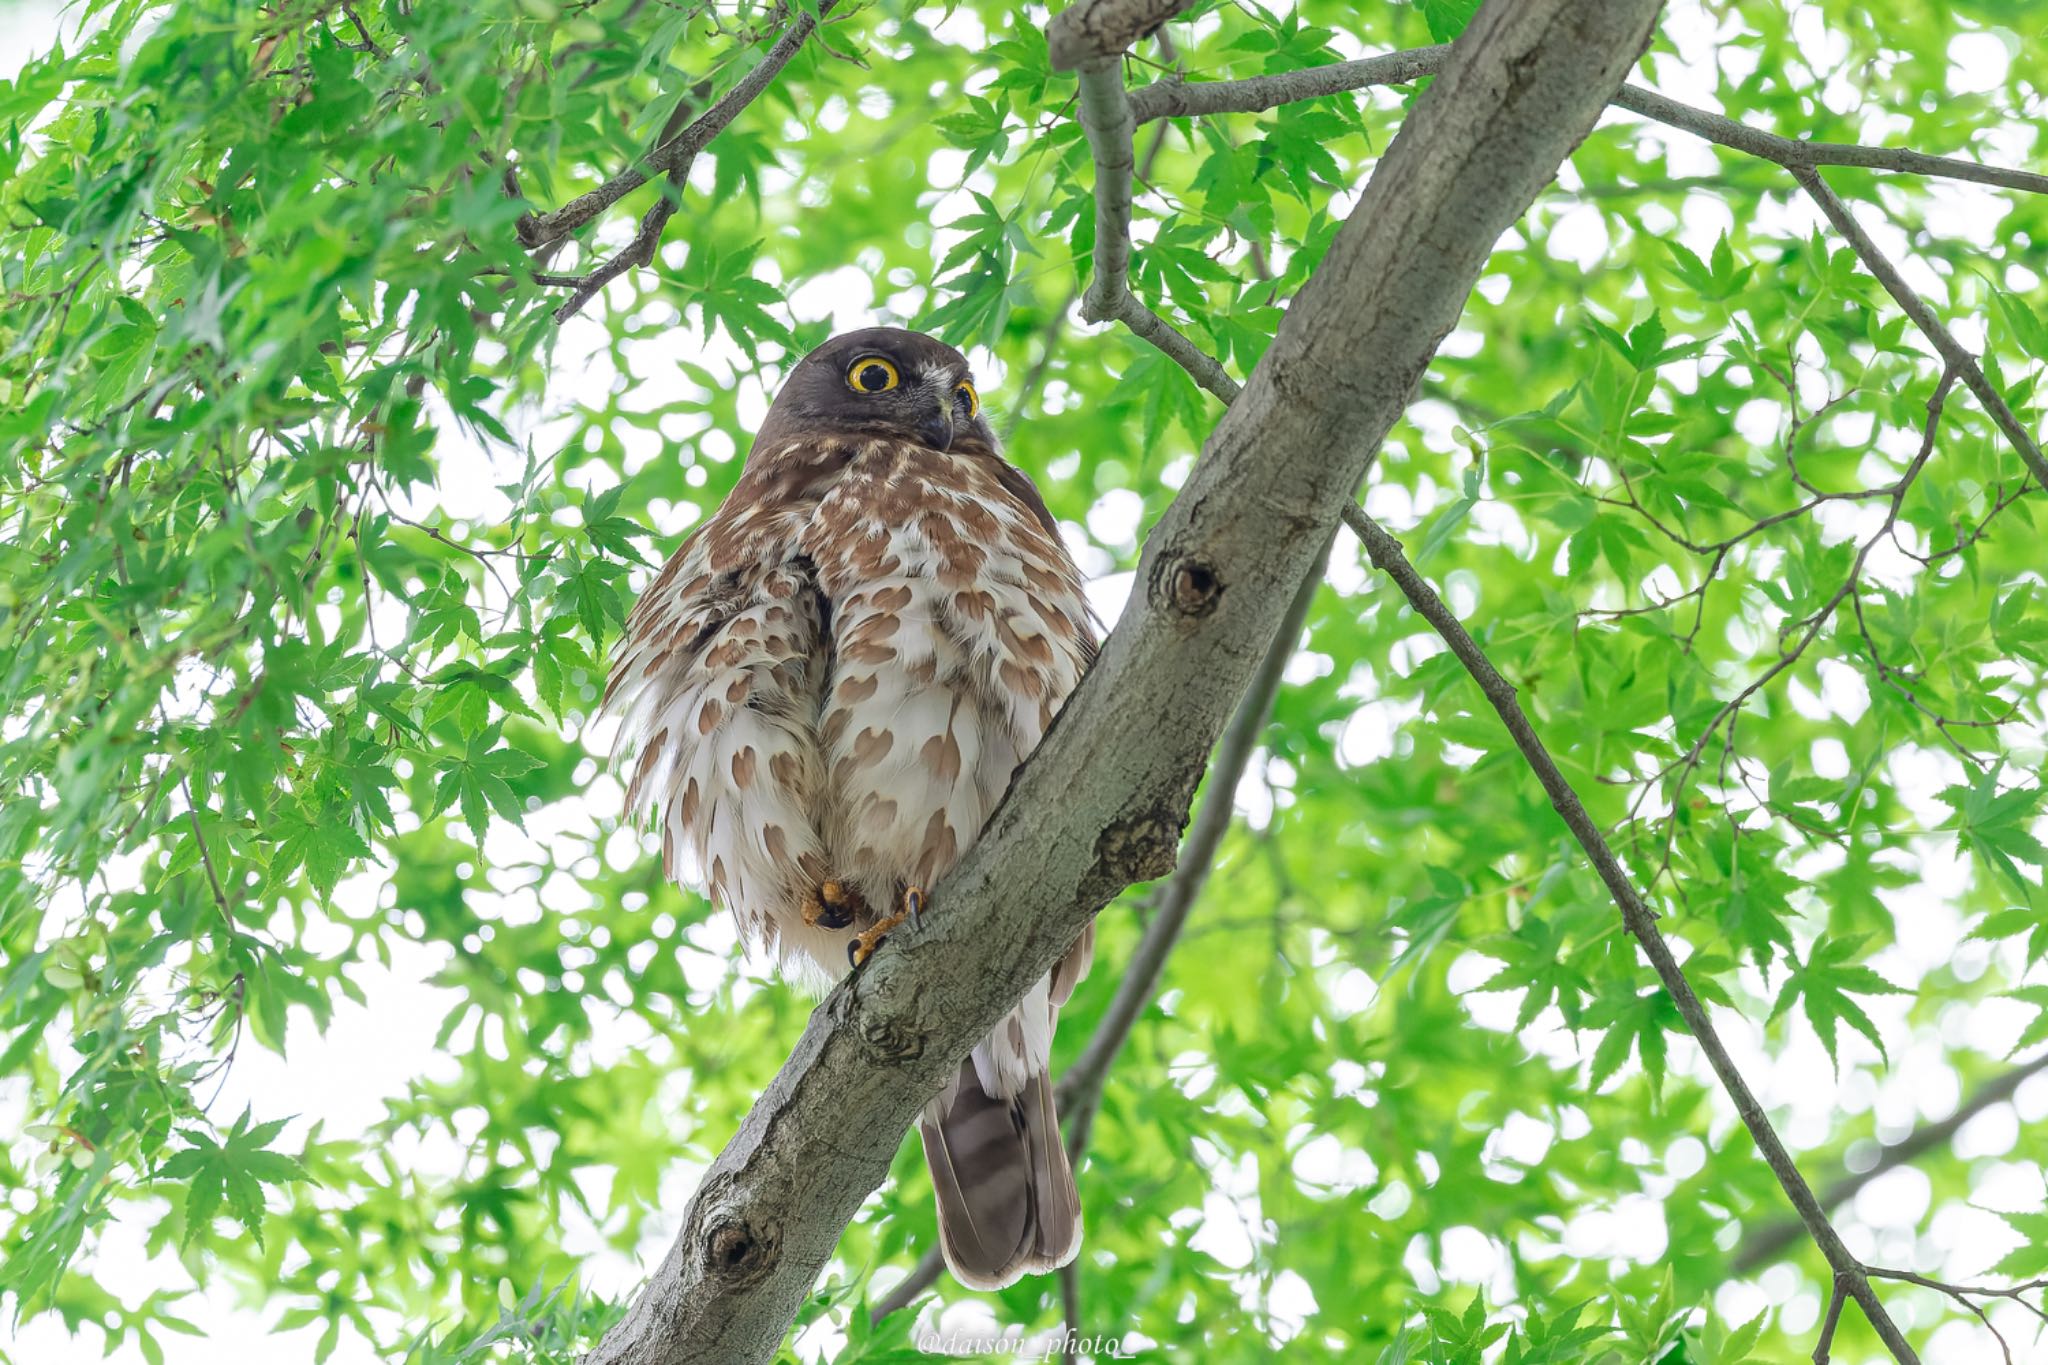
x=936, y=430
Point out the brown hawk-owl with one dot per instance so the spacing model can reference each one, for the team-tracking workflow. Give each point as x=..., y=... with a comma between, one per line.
x=826, y=691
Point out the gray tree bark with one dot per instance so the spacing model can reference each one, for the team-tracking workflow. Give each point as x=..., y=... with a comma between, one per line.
x=1101, y=804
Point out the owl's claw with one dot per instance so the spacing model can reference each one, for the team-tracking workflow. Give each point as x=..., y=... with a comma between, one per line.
x=833, y=905
x=862, y=946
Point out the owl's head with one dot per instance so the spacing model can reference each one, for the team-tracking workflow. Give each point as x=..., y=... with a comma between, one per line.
x=882, y=381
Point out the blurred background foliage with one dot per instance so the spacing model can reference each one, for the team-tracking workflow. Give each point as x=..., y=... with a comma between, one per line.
x=318, y=526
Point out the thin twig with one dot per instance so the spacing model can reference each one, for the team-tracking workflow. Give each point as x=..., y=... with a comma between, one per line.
x=671, y=159
x=1070, y=1306
x=1828, y=1324
x=1808, y=628
x=220, y=897
x=922, y=1276
x=1962, y=1294
x=1774, y=1238
x=1985, y=1292
x=1953, y=352
x=1640, y=921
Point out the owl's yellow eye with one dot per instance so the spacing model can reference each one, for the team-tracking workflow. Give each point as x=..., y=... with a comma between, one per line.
x=966, y=394
x=871, y=374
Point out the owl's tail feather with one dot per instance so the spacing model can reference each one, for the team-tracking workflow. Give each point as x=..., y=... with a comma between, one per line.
x=1007, y=1204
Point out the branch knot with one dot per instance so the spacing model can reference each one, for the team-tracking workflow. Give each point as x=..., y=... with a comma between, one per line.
x=737, y=1255
x=1187, y=586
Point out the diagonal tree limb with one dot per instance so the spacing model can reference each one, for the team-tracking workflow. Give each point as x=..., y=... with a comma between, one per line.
x=1101, y=802
x=636, y=253
x=1771, y=1240
x=1851, y=1276
x=677, y=152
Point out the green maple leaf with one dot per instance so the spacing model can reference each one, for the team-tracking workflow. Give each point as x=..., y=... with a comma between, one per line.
x=2030, y=1258
x=477, y=781
x=233, y=1172
x=325, y=844
x=2037, y=1032
x=1994, y=825
x=1723, y=1345
x=1824, y=983
x=1447, y=18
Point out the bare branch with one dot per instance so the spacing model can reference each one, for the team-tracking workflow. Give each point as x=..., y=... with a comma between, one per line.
x=1641, y=922
x=1771, y=1240
x=1177, y=99
x=1795, y=154
x=638, y=252
x=1255, y=94
x=1202, y=368
x=1105, y=116
x=922, y=1276
x=1828, y=1324
x=671, y=159
x=1953, y=352
x=1962, y=1292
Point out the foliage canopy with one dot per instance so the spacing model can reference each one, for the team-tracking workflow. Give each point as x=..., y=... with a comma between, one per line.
x=319, y=522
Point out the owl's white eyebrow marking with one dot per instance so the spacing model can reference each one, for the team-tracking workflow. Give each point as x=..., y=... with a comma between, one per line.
x=936, y=373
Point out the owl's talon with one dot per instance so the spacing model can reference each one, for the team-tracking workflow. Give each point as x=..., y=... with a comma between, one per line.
x=913, y=906
x=862, y=946
x=833, y=905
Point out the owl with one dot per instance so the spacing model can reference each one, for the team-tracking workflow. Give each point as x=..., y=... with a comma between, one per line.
x=822, y=697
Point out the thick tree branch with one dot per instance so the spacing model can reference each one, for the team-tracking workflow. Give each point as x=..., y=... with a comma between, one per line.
x=1101, y=802
x=1771, y=1240
x=1636, y=915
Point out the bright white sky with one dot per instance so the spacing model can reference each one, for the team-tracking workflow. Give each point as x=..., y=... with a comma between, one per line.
x=342, y=1079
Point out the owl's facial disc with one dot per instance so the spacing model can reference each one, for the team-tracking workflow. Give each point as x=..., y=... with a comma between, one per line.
x=881, y=381
x=935, y=423
x=925, y=406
